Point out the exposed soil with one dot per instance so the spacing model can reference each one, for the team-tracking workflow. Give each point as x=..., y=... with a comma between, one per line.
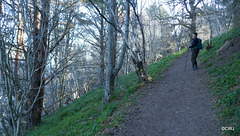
x=177, y=105
x=230, y=47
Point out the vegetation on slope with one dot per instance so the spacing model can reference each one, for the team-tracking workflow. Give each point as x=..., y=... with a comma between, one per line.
x=224, y=79
x=88, y=115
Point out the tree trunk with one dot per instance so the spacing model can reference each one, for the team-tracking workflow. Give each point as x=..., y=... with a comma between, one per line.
x=20, y=38
x=210, y=30
x=151, y=43
x=20, y=42
x=126, y=64
x=236, y=13
x=102, y=50
x=144, y=67
x=64, y=55
x=193, y=17
x=154, y=34
x=40, y=47
x=111, y=71
x=109, y=79
x=139, y=61
x=5, y=131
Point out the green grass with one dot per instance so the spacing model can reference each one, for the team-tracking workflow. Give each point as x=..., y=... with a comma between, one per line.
x=87, y=115
x=225, y=82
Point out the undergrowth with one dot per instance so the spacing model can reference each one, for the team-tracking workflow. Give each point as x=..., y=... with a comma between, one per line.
x=225, y=81
x=89, y=116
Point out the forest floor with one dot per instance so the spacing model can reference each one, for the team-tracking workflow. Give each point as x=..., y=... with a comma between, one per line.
x=179, y=104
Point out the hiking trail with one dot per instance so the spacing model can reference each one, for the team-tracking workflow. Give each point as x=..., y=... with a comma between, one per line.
x=179, y=104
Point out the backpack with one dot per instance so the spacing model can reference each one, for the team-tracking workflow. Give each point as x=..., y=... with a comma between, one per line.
x=199, y=46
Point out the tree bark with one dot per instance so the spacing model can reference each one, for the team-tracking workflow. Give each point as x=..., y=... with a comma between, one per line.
x=124, y=46
x=210, y=31
x=109, y=79
x=139, y=60
x=40, y=55
x=20, y=38
x=102, y=49
x=193, y=17
x=236, y=13
x=111, y=71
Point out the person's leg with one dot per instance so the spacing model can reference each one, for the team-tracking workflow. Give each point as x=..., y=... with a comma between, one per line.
x=197, y=51
x=192, y=58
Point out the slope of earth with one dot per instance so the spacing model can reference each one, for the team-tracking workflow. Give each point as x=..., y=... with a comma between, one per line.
x=223, y=62
x=89, y=116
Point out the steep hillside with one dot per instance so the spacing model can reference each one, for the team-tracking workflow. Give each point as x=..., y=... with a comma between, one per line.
x=223, y=61
x=88, y=116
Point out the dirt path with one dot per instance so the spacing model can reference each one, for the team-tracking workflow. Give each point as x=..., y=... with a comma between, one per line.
x=178, y=105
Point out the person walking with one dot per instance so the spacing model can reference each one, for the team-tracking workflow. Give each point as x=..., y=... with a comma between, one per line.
x=195, y=51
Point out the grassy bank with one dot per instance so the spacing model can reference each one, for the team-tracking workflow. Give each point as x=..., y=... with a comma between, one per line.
x=88, y=116
x=224, y=79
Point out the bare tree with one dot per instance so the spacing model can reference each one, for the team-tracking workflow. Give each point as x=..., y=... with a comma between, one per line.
x=96, y=39
x=111, y=69
x=139, y=59
x=23, y=66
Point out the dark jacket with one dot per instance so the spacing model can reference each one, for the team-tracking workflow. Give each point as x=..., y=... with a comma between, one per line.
x=194, y=43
